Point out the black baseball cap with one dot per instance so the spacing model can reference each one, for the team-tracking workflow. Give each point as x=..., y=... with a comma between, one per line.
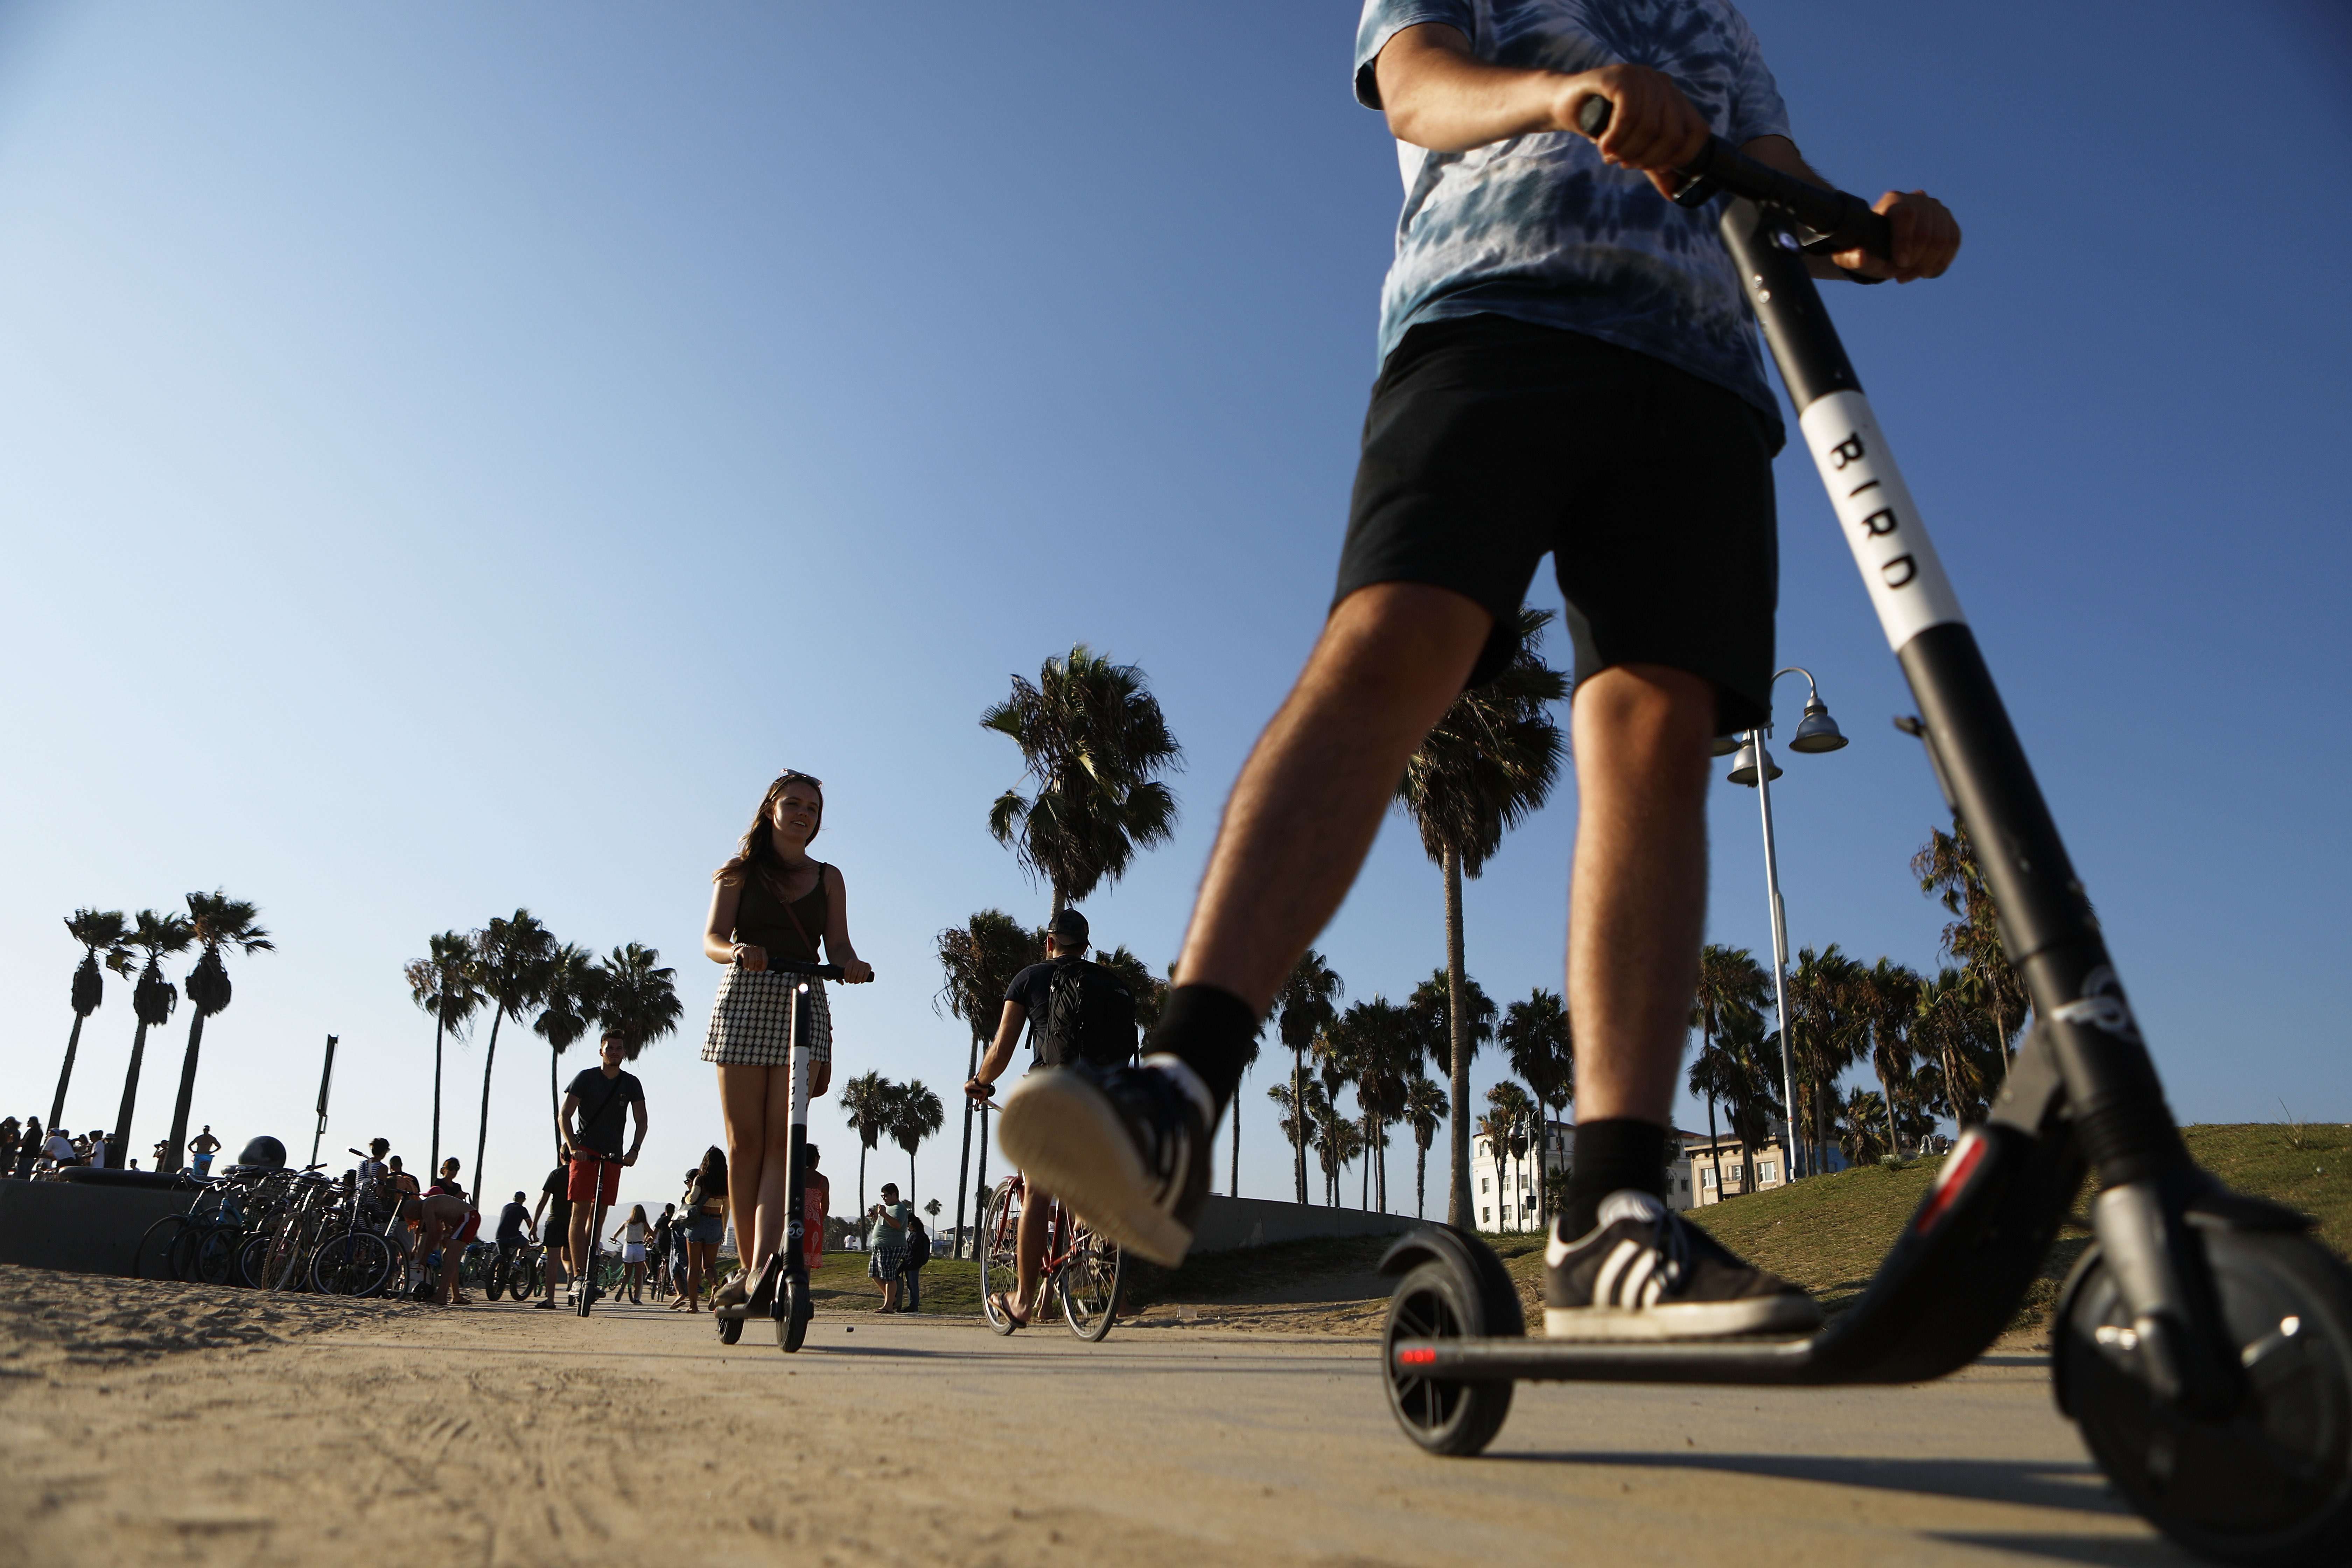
x=1068, y=926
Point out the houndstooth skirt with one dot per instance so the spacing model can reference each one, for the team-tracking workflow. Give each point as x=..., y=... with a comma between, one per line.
x=751, y=1022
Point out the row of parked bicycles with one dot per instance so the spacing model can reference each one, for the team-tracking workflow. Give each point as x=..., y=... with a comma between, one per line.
x=275, y=1229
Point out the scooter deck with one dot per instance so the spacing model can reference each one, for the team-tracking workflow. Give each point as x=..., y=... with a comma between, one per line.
x=1952, y=1282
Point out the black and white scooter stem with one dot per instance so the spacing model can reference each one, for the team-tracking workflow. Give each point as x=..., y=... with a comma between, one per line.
x=2109, y=1083
x=796, y=1180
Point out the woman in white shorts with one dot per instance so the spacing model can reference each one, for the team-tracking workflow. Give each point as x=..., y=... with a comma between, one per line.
x=631, y=1235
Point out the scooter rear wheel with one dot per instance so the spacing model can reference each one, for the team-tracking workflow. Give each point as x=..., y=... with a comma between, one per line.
x=793, y=1309
x=2271, y=1482
x=1437, y=1301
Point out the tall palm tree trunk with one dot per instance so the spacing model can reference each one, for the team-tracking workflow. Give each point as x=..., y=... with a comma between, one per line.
x=1297, y=1115
x=861, y=1179
x=1459, y=1209
x=179, y=1133
x=1886, y=1091
x=437, y=1027
x=1419, y=1179
x=963, y=1160
x=910, y=1177
x=122, y=1138
x=482, y=1137
x=1381, y=1148
x=554, y=1101
x=1234, y=1190
x=65, y=1074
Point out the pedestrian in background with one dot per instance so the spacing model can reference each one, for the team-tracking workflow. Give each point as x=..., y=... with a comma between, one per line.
x=11, y=1131
x=28, y=1147
x=888, y=1218
x=203, y=1147
x=918, y=1252
x=703, y=1211
x=555, y=1202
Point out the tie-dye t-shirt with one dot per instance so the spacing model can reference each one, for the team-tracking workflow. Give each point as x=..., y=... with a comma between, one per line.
x=1539, y=229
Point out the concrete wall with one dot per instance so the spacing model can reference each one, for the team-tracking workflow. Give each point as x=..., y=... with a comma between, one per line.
x=1229, y=1222
x=77, y=1226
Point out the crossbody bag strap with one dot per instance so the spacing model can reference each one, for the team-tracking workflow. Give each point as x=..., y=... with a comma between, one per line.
x=793, y=916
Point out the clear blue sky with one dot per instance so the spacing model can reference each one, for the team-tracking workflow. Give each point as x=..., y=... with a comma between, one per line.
x=455, y=457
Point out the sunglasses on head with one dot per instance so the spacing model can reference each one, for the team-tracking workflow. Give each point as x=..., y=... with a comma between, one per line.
x=799, y=778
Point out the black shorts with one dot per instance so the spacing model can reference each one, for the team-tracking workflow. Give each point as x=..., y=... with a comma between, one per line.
x=1492, y=441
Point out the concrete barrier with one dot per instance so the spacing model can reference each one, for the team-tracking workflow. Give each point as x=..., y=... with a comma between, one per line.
x=1230, y=1223
x=80, y=1227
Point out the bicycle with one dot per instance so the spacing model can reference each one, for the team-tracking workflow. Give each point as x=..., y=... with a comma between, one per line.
x=350, y=1258
x=527, y=1271
x=1083, y=1267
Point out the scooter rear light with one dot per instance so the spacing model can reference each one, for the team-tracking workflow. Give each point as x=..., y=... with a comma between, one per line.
x=1949, y=1181
x=1422, y=1357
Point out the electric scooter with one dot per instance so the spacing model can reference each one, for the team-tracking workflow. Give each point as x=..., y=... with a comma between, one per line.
x=2203, y=1344
x=789, y=1302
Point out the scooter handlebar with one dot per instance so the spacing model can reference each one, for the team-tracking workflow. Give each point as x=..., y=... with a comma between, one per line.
x=818, y=970
x=1836, y=219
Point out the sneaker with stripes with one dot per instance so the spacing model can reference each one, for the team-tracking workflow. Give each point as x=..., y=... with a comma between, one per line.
x=1641, y=1274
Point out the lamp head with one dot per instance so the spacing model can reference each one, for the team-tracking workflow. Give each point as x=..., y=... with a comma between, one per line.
x=1726, y=744
x=1743, y=765
x=1817, y=732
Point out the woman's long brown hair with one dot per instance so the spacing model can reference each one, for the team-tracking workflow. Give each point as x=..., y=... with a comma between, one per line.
x=755, y=855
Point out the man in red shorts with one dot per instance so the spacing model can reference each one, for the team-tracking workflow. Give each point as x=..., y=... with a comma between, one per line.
x=592, y=1116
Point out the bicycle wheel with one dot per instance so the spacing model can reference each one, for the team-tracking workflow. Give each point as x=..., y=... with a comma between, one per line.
x=523, y=1279
x=356, y=1263
x=494, y=1280
x=154, y=1258
x=214, y=1249
x=999, y=1274
x=1089, y=1285
x=252, y=1253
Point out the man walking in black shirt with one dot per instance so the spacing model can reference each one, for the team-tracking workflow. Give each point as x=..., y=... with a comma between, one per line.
x=597, y=1098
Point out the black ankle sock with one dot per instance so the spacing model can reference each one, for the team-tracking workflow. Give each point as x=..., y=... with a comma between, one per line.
x=1210, y=1030
x=1610, y=1157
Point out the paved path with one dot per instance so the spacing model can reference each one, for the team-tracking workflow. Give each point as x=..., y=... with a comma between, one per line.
x=508, y=1435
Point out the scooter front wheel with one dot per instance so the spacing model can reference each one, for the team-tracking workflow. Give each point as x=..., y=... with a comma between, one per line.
x=2271, y=1482
x=1437, y=1301
x=731, y=1328
x=793, y=1309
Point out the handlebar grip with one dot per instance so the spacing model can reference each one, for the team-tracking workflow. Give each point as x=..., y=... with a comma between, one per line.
x=791, y=966
x=1840, y=222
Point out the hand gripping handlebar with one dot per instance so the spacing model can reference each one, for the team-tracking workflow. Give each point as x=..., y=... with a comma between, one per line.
x=1836, y=219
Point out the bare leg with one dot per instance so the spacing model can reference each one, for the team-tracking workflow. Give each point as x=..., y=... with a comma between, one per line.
x=1029, y=1245
x=776, y=1170
x=1637, y=902
x=1309, y=800
x=745, y=1097
x=583, y=1220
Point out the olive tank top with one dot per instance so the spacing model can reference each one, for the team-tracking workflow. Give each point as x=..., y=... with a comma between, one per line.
x=760, y=919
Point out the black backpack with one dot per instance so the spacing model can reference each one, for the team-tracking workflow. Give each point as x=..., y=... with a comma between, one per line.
x=1089, y=1016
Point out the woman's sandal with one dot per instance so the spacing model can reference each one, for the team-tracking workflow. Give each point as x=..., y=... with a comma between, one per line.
x=735, y=1292
x=763, y=1299
x=1004, y=1303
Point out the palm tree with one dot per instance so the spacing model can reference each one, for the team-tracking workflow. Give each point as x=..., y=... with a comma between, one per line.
x=1302, y=1102
x=979, y=958
x=1732, y=986
x=1426, y=1108
x=1338, y=1140
x=1094, y=740
x=636, y=994
x=513, y=957
x=1860, y=1121
x=1306, y=1004
x=571, y=986
x=1750, y=1084
x=1826, y=1026
x=1486, y=764
x=152, y=1000
x=1510, y=1109
x=1953, y=1032
x=1947, y=867
x=915, y=1114
x=1885, y=999
x=100, y=933
x=1375, y=1041
x=216, y=921
x=443, y=985
x=1536, y=1037
x=867, y=1101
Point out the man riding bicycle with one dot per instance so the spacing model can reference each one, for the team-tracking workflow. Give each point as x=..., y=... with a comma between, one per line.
x=1077, y=1011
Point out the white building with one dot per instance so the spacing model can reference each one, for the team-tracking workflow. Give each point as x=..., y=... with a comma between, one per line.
x=1508, y=1198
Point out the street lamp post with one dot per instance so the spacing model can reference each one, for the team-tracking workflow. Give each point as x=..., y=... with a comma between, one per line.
x=1753, y=766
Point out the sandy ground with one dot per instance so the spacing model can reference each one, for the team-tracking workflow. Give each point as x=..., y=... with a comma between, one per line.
x=177, y=1423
